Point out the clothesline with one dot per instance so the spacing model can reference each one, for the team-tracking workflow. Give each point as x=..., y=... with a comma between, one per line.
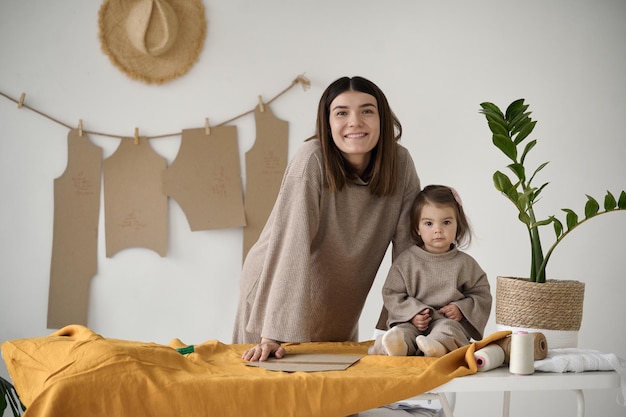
x=300, y=79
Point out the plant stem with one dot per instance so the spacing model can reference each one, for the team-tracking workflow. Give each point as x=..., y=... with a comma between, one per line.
x=537, y=270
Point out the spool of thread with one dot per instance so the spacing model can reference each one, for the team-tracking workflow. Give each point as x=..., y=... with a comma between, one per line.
x=540, y=344
x=522, y=360
x=489, y=357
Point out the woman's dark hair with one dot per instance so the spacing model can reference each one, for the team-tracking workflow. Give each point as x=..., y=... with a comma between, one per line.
x=382, y=169
x=440, y=195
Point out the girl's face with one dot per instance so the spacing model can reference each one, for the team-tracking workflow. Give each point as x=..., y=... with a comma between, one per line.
x=437, y=227
x=355, y=126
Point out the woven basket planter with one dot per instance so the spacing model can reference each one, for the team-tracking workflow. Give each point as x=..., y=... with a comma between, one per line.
x=554, y=308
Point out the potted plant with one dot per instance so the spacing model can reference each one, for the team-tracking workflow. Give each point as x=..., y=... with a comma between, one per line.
x=8, y=397
x=551, y=306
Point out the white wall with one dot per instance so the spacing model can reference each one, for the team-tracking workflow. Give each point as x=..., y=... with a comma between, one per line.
x=436, y=61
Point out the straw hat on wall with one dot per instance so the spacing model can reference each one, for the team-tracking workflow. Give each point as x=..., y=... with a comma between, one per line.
x=153, y=41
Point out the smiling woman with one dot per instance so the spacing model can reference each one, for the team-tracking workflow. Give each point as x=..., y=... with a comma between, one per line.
x=345, y=196
x=355, y=127
x=380, y=173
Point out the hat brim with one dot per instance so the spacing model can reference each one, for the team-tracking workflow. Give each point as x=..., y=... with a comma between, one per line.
x=173, y=63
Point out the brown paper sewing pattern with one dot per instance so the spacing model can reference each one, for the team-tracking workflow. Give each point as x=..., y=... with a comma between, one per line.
x=205, y=178
x=135, y=208
x=75, y=233
x=266, y=162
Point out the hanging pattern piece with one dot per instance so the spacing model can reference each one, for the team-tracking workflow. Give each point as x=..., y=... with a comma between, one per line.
x=75, y=232
x=205, y=178
x=266, y=162
x=135, y=209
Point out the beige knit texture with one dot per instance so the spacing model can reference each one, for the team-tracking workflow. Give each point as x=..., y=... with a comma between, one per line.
x=309, y=274
x=419, y=280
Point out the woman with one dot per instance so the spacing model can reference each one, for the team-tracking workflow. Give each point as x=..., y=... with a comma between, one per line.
x=346, y=194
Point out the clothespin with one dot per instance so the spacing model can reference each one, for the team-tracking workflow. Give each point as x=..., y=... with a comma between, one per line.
x=261, y=106
x=136, y=136
x=21, y=102
x=207, y=129
x=80, y=127
x=306, y=84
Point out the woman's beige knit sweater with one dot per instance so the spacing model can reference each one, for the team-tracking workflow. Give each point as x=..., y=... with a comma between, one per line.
x=308, y=275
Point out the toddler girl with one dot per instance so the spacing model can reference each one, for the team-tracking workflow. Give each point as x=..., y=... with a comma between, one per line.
x=437, y=297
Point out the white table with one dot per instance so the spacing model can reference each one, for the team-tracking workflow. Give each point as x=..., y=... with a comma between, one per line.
x=501, y=380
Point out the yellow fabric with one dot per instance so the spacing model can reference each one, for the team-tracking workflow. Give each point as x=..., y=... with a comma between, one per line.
x=75, y=372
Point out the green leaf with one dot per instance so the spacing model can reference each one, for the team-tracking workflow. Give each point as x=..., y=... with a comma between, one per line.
x=571, y=219
x=522, y=201
x=519, y=117
x=497, y=128
x=539, y=168
x=497, y=120
x=8, y=396
x=518, y=170
x=502, y=182
x=527, y=149
x=621, y=203
x=492, y=114
x=609, y=201
x=515, y=108
x=512, y=193
x=591, y=207
x=524, y=132
x=518, y=127
x=519, y=121
x=529, y=193
x=524, y=218
x=538, y=190
x=543, y=222
x=490, y=107
x=506, y=145
x=558, y=226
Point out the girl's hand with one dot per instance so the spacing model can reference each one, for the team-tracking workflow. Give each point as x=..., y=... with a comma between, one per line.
x=264, y=350
x=422, y=319
x=452, y=312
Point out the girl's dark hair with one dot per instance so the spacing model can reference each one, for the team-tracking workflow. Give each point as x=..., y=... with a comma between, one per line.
x=382, y=170
x=440, y=195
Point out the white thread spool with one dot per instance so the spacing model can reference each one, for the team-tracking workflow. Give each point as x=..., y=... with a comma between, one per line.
x=522, y=360
x=489, y=357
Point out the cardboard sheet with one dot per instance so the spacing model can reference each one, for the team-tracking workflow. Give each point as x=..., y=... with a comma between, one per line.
x=75, y=234
x=266, y=162
x=135, y=208
x=205, y=179
x=308, y=362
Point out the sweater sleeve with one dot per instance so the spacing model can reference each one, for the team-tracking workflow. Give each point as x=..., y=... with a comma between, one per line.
x=401, y=306
x=476, y=305
x=281, y=304
x=411, y=186
x=402, y=237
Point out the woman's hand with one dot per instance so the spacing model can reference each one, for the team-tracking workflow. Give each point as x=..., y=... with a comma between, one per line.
x=264, y=350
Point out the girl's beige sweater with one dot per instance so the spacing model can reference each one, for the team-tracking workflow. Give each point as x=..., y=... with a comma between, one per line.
x=418, y=280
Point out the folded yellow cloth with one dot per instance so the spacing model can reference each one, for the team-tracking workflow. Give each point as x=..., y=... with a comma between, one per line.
x=75, y=372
